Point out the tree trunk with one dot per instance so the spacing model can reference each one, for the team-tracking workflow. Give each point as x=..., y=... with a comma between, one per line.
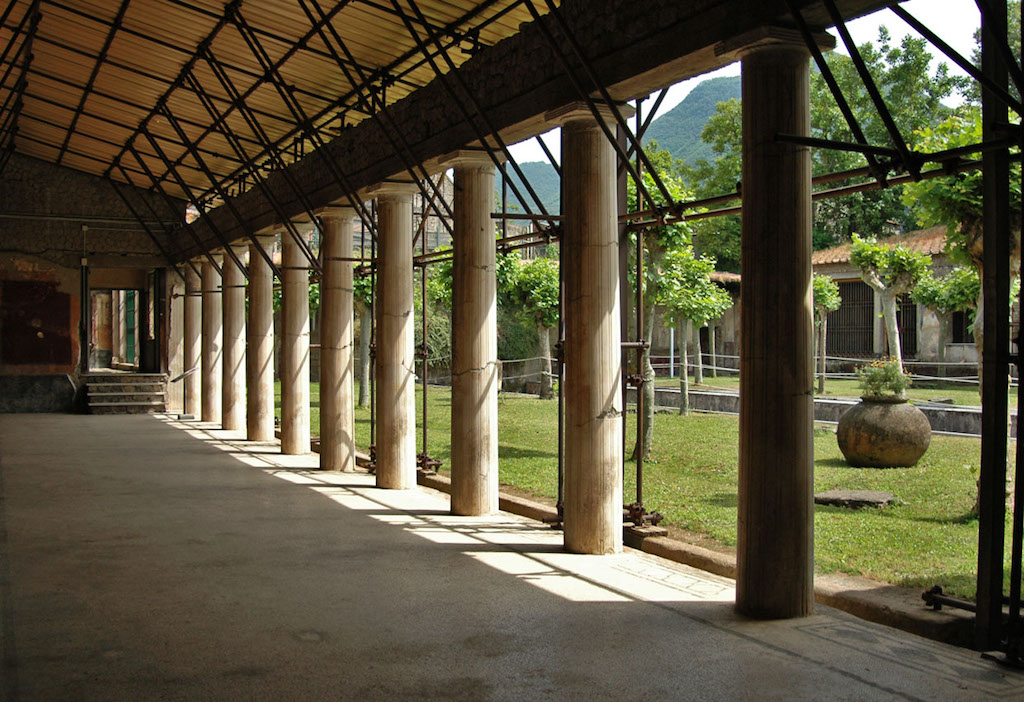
x=544, y=351
x=684, y=377
x=365, y=331
x=648, y=387
x=822, y=336
x=698, y=352
x=714, y=351
x=892, y=331
x=945, y=325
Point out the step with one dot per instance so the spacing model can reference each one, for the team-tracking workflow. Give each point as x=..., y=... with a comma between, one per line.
x=126, y=407
x=108, y=397
x=112, y=388
x=115, y=378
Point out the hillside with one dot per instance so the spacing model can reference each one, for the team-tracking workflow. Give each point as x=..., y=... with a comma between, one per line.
x=678, y=130
x=542, y=177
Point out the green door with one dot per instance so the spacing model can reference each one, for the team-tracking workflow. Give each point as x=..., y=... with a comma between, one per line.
x=129, y=326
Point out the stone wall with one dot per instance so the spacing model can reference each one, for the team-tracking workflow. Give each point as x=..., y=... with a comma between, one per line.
x=53, y=218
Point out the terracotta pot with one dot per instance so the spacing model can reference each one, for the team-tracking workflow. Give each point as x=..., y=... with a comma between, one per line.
x=883, y=432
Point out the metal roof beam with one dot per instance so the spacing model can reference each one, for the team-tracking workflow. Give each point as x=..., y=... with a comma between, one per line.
x=400, y=145
x=229, y=9
x=280, y=62
x=403, y=58
x=114, y=27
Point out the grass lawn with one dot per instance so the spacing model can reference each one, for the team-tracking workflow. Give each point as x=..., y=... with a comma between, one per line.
x=961, y=393
x=927, y=539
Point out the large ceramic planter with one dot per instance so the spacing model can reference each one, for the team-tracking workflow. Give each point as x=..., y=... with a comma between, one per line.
x=883, y=431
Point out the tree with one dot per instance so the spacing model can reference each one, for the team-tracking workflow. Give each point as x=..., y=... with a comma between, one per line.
x=362, y=294
x=956, y=202
x=692, y=300
x=719, y=237
x=535, y=286
x=913, y=95
x=826, y=299
x=657, y=242
x=891, y=272
x=957, y=291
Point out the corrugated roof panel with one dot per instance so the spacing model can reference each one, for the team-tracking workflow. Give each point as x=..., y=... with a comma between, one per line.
x=158, y=37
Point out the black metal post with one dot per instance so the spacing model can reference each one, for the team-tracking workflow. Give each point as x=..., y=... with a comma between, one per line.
x=995, y=294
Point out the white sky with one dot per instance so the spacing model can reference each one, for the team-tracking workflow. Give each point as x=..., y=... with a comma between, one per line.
x=954, y=21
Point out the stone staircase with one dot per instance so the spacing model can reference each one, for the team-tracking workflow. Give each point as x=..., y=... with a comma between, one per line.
x=126, y=393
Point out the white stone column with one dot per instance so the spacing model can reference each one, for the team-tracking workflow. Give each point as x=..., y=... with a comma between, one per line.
x=775, y=555
x=174, y=296
x=337, y=406
x=474, y=458
x=590, y=269
x=213, y=341
x=294, y=348
x=259, y=354
x=193, y=340
x=233, y=386
x=395, y=359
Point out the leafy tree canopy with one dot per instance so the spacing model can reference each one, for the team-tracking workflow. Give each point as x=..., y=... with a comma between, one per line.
x=894, y=268
x=957, y=290
x=956, y=201
x=362, y=287
x=687, y=289
x=826, y=296
x=536, y=289
x=913, y=92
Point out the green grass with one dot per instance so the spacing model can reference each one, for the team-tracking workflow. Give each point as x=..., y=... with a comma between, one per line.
x=961, y=393
x=928, y=538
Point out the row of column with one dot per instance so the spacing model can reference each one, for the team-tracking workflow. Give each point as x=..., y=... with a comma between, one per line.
x=229, y=345
x=775, y=476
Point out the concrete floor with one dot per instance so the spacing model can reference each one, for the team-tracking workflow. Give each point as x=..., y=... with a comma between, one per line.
x=143, y=559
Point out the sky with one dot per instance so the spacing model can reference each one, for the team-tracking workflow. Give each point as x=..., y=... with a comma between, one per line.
x=954, y=21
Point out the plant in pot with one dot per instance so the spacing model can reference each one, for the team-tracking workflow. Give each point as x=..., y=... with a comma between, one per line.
x=883, y=430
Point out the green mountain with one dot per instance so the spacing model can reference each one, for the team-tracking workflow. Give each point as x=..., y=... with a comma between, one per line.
x=678, y=130
x=544, y=179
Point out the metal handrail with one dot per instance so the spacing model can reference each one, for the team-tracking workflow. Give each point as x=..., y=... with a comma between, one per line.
x=189, y=372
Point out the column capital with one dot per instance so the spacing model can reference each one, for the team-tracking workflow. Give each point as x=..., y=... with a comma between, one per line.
x=264, y=239
x=772, y=37
x=579, y=111
x=393, y=189
x=238, y=247
x=303, y=223
x=469, y=158
x=336, y=212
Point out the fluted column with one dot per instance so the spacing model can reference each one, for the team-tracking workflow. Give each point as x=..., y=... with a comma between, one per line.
x=233, y=386
x=174, y=291
x=593, y=404
x=395, y=360
x=259, y=353
x=337, y=413
x=213, y=341
x=294, y=348
x=193, y=341
x=474, y=457
x=775, y=558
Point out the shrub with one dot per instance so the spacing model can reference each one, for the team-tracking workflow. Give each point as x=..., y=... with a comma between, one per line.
x=883, y=378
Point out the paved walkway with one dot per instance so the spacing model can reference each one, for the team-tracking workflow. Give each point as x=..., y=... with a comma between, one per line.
x=142, y=559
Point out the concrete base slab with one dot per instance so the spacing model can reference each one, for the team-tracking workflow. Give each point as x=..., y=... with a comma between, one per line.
x=143, y=558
